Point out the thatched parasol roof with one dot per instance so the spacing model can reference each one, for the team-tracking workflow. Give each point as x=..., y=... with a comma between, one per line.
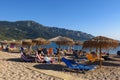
x=40, y=41
x=101, y=41
x=18, y=42
x=4, y=42
x=11, y=42
x=78, y=43
x=62, y=40
x=27, y=42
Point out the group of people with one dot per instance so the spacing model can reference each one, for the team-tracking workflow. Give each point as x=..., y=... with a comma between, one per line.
x=40, y=55
x=5, y=47
x=48, y=55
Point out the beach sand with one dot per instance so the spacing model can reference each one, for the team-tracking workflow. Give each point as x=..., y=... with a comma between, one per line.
x=13, y=68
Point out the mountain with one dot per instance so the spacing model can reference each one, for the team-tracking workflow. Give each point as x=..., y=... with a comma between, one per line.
x=32, y=29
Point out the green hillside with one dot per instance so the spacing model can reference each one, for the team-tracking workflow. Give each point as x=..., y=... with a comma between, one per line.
x=32, y=29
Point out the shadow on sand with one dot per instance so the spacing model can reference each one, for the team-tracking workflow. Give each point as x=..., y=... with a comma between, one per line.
x=108, y=63
x=55, y=67
x=16, y=60
x=117, y=56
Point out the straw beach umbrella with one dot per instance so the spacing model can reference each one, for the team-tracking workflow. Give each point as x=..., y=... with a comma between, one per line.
x=101, y=42
x=27, y=42
x=62, y=41
x=16, y=42
x=98, y=41
x=78, y=43
x=40, y=41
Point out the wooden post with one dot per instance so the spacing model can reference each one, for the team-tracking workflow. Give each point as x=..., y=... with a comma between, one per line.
x=59, y=54
x=90, y=50
x=100, y=57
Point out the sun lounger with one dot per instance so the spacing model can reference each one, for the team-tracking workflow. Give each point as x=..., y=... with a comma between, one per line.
x=74, y=66
x=14, y=50
x=93, y=59
x=27, y=58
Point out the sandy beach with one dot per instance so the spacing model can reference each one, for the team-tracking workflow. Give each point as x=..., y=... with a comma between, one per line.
x=13, y=68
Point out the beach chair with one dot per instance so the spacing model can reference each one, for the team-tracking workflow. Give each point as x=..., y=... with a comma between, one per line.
x=27, y=58
x=93, y=59
x=80, y=67
x=15, y=50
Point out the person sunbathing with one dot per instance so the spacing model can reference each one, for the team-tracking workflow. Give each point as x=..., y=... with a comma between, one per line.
x=48, y=59
x=39, y=58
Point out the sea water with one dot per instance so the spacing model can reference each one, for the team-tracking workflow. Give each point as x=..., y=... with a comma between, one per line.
x=79, y=47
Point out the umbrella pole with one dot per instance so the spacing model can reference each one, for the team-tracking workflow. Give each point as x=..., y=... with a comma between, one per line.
x=90, y=50
x=100, y=58
x=96, y=50
x=59, y=54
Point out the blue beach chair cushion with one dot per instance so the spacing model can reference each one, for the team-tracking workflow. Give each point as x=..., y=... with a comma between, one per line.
x=73, y=65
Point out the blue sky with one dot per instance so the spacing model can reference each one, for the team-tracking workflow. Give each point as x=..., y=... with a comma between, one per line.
x=96, y=17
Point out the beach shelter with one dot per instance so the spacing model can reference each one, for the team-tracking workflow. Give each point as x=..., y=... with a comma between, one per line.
x=27, y=42
x=59, y=40
x=5, y=42
x=101, y=42
x=14, y=45
x=12, y=42
x=15, y=42
x=62, y=41
x=40, y=41
x=78, y=43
